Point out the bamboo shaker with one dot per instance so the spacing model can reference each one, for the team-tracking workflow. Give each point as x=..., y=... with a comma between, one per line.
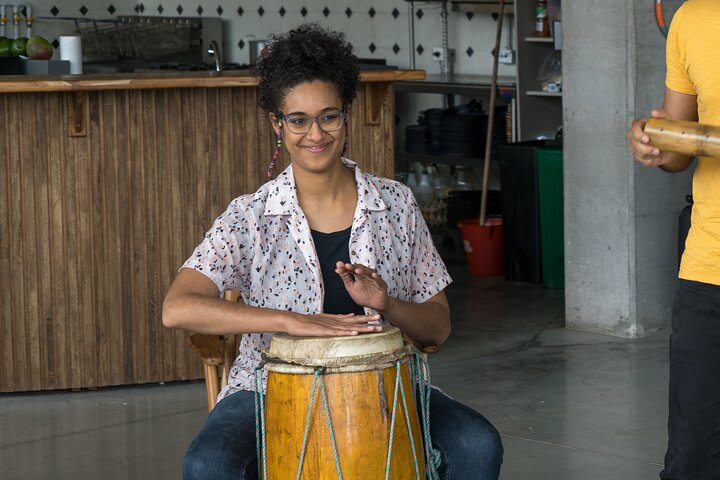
x=688, y=138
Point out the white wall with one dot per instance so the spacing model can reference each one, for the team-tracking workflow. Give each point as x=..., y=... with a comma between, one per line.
x=384, y=30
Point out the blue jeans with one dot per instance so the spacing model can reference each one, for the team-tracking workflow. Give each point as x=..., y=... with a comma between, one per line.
x=470, y=447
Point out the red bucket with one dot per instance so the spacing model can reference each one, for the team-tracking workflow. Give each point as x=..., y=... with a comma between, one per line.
x=484, y=246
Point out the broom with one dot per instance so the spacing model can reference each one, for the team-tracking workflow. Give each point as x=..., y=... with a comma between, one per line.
x=491, y=114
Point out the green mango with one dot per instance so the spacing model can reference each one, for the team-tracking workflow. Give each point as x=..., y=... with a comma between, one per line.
x=17, y=47
x=5, y=46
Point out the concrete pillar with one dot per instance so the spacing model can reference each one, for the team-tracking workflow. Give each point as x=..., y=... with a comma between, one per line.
x=620, y=218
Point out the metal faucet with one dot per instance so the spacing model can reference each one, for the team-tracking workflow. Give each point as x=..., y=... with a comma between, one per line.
x=214, y=51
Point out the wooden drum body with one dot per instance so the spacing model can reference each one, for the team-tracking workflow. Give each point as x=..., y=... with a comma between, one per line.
x=354, y=379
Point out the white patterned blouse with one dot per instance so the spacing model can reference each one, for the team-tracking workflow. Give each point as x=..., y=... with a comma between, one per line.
x=262, y=246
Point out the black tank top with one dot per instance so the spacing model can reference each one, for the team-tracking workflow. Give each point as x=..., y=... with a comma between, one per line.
x=330, y=248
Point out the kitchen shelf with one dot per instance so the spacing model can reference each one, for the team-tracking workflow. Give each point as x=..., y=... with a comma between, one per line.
x=481, y=7
x=539, y=111
x=467, y=85
x=438, y=158
x=539, y=39
x=541, y=93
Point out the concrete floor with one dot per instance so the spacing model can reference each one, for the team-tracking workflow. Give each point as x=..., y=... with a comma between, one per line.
x=569, y=405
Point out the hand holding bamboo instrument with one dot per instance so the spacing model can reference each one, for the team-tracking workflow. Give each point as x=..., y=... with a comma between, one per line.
x=688, y=138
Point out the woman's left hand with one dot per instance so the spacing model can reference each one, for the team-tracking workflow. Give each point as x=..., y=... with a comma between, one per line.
x=364, y=285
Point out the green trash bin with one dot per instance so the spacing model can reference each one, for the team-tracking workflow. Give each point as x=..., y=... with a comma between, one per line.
x=550, y=193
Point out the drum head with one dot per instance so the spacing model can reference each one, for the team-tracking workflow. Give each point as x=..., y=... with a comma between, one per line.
x=381, y=347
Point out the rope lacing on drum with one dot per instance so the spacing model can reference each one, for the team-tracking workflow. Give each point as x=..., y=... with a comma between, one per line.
x=260, y=421
x=421, y=375
x=318, y=374
x=398, y=381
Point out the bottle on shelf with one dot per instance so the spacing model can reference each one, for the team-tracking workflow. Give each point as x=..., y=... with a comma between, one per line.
x=465, y=179
x=542, y=25
x=424, y=193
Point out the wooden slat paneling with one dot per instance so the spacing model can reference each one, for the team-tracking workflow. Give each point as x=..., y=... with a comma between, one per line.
x=93, y=228
x=7, y=358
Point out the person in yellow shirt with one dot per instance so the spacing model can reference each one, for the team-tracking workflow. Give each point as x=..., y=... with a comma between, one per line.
x=692, y=92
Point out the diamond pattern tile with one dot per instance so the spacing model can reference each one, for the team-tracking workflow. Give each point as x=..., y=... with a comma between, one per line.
x=55, y=43
x=54, y=10
x=291, y=13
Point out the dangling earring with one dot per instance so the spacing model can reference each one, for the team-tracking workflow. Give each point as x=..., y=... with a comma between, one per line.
x=347, y=139
x=276, y=153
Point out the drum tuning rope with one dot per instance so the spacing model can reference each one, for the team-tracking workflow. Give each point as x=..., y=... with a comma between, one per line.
x=398, y=381
x=319, y=373
x=260, y=421
x=421, y=374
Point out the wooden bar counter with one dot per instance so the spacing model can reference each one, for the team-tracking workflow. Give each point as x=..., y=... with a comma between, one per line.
x=107, y=183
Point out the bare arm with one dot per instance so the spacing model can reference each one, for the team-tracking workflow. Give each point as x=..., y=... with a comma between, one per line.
x=193, y=303
x=426, y=323
x=676, y=106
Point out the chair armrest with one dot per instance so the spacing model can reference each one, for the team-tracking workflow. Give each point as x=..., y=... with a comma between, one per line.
x=209, y=347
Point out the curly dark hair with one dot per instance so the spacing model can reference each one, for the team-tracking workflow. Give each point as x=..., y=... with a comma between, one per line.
x=305, y=54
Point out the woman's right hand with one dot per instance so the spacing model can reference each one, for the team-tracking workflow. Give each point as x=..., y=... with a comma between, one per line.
x=639, y=141
x=326, y=325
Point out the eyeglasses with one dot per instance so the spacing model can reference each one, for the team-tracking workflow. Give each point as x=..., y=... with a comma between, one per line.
x=328, y=122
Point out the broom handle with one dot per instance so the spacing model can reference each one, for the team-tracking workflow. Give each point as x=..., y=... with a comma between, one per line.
x=688, y=138
x=491, y=114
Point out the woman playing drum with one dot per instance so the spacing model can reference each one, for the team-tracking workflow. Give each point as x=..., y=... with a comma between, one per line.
x=322, y=250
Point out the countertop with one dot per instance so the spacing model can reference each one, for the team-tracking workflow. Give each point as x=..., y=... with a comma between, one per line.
x=159, y=80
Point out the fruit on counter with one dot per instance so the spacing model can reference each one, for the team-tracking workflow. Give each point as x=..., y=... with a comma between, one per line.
x=17, y=47
x=38, y=48
x=5, y=46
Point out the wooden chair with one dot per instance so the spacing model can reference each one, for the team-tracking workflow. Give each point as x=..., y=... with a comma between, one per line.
x=217, y=353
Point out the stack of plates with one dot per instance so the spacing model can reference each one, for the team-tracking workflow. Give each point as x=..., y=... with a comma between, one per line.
x=462, y=134
x=416, y=140
x=458, y=131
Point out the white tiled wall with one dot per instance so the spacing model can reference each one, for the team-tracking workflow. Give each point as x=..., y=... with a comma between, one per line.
x=388, y=29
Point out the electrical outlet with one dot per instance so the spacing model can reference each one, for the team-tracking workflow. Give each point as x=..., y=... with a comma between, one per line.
x=506, y=56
